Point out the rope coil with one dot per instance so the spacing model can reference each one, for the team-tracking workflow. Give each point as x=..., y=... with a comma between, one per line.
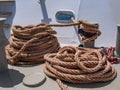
x=78, y=65
x=29, y=44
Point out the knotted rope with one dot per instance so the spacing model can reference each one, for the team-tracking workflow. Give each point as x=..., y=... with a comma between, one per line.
x=88, y=31
x=29, y=44
x=78, y=65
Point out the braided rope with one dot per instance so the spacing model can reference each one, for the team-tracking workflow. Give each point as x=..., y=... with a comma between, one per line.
x=29, y=44
x=78, y=65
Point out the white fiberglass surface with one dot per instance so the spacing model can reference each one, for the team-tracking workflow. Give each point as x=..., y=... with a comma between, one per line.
x=37, y=11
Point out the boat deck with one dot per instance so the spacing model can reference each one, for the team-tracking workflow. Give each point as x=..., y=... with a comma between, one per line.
x=92, y=10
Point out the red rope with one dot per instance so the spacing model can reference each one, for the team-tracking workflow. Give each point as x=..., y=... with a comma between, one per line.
x=110, y=56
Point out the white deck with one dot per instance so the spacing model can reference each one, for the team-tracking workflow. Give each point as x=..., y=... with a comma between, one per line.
x=27, y=12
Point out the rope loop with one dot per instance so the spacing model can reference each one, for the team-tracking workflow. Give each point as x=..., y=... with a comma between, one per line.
x=78, y=65
x=87, y=30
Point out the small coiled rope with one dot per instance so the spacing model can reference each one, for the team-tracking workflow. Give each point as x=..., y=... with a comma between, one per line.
x=29, y=44
x=78, y=65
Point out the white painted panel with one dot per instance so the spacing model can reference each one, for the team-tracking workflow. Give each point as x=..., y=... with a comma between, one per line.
x=52, y=7
x=115, y=7
x=30, y=12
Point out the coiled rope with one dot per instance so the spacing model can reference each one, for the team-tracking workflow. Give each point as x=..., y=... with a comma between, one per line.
x=78, y=65
x=29, y=44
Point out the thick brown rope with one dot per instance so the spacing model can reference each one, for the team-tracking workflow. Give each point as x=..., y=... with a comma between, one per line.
x=26, y=42
x=78, y=65
x=90, y=28
x=29, y=44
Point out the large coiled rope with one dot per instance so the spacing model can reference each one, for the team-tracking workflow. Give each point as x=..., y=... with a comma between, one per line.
x=78, y=65
x=29, y=44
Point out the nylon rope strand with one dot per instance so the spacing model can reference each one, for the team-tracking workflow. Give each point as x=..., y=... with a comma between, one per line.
x=78, y=65
x=27, y=45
